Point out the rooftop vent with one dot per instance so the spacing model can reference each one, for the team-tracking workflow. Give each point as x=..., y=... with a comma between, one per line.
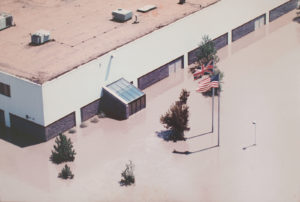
x=121, y=15
x=40, y=37
x=146, y=8
x=6, y=20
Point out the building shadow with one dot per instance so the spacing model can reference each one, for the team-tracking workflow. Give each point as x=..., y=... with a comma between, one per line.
x=297, y=19
x=18, y=139
x=193, y=152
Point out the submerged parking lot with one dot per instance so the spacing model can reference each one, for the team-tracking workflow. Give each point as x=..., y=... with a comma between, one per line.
x=261, y=84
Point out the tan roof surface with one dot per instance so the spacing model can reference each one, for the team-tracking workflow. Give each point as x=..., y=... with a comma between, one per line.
x=82, y=30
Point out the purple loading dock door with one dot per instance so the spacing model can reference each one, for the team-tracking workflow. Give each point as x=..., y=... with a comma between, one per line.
x=2, y=118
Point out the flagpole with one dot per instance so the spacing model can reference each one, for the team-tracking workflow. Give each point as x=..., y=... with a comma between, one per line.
x=219, y=113
x=212, y=106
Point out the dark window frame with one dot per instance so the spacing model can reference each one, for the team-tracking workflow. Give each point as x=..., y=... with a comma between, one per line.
x=138, y=104
x=143, y=102
x=5, y=89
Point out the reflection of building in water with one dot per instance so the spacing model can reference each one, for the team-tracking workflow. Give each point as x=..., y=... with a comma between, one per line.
x=47, y=88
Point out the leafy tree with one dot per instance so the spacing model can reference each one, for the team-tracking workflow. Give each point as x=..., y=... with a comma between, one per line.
x=66, y=173
x=184, y=96
x=127, y=175
x=63, y=150
x=177, y=117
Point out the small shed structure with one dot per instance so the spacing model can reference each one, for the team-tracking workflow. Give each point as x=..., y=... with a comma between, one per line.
x=121, y=99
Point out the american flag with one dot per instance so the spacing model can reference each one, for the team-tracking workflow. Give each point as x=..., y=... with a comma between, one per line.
x=214, y=80
x=207, y=83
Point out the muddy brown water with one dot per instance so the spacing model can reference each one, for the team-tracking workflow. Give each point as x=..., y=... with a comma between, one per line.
x=261, y=84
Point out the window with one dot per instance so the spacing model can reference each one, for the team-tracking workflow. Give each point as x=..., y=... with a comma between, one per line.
x=138, y=105
x=133, y=107
x=4, y=89
x=143, y=102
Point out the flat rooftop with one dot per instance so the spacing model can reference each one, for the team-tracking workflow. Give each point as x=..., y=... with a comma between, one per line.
x=83, y=30
x=268, y=172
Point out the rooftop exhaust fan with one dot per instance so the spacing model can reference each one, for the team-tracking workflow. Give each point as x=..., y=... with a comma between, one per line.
x=6, y=20
x=121, y=15
x=40, y=37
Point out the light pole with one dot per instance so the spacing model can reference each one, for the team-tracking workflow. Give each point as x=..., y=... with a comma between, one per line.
x=254, y=144
x=254, y=123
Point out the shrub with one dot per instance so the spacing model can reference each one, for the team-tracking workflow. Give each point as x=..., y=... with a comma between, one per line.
x=66, y=173
x=83, y=125
x=63, y=150
x=101, y=114
x=95, y=120
x=127, y=175
x=177, y=117
x=72, y=131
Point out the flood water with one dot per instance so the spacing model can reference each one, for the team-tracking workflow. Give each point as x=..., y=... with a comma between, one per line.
x=261, y=84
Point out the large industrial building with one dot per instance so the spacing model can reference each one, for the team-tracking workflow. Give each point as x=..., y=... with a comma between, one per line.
x=62, y=62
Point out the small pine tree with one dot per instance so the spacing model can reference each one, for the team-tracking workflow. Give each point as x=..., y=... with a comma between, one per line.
x=66, y=173
x=177, y=117
x=127, y=175
x=207, y=51
x=63, y=150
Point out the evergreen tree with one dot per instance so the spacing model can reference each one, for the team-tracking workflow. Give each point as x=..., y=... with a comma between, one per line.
x=63, y=150
x=66, y=173
x=207, y=51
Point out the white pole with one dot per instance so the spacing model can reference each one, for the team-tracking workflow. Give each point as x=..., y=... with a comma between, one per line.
x=219, y=113
x=254, y=123
x=213, y=109
x=108, y=66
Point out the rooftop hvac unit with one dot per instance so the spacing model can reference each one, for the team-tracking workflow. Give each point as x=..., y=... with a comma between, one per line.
x=146, y=8
x=40, y=37
x=6, y=20
x=122, y=15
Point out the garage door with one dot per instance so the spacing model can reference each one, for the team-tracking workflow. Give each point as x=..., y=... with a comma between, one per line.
x=2, y=119
x=160, y=73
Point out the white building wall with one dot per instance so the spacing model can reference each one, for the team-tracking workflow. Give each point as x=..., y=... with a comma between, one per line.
x=71, y=91
x=82, y=86
x=26, y=99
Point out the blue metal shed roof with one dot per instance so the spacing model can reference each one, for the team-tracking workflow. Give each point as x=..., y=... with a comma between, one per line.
x=125, y=90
